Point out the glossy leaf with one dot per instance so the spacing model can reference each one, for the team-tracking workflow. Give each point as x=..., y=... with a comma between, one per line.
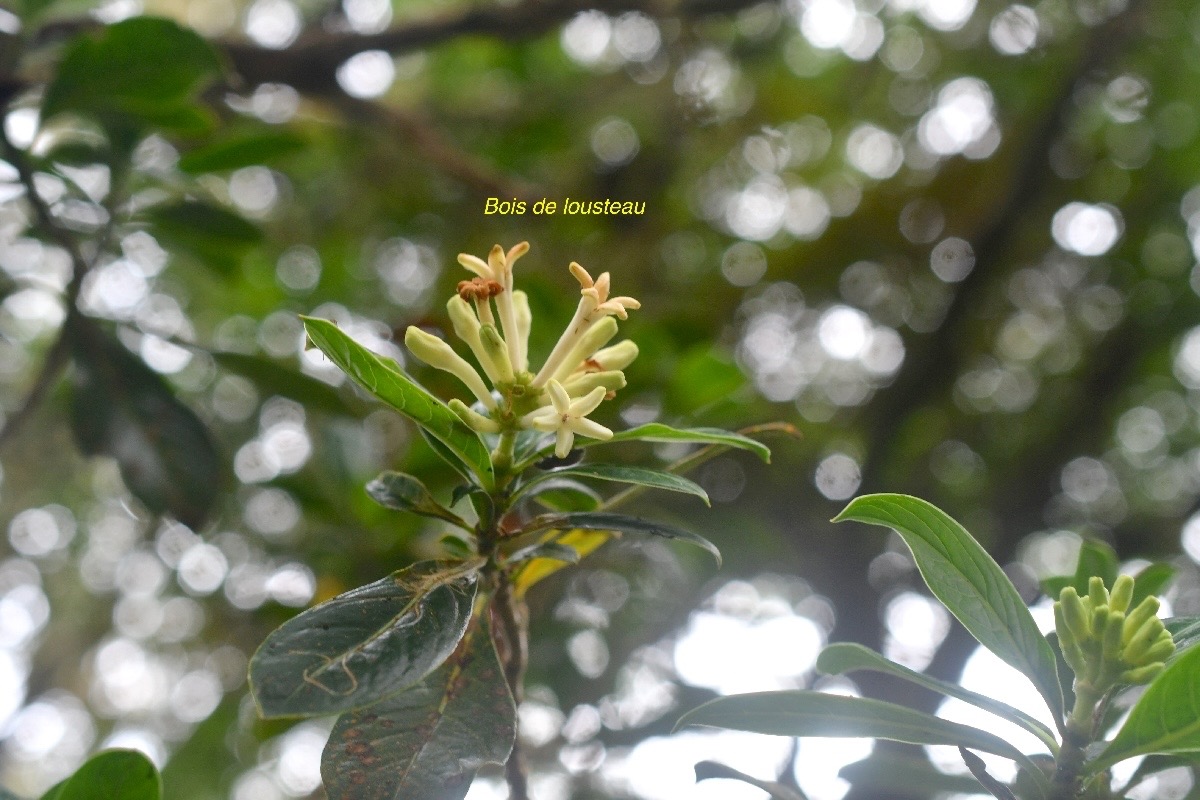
x=657, y=432
x=216, y=237
x=881, y=772
x=384, y=379
x=563, y=494
x=405, y=493
x=143, y=67
x=582, y=542
x=1165, y=719
x=804, y=713
x=427, y=742
x=969, y=583
x=842, y=657
x=123, y=409
x=366, y=644
x=111, y=775
x=639, y=476
x=606, y=521
x=260, y=147
x=550, y=550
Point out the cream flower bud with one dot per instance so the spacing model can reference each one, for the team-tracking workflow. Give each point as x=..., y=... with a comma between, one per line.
x=436, y=353
x=524, y=319
x=497, y=351
x=583, y=383
x=618, y=356
x=467, y=328
x=592, y=340
x=474, y=420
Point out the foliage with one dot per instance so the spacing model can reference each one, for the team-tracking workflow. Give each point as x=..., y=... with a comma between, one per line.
x=1108, y=651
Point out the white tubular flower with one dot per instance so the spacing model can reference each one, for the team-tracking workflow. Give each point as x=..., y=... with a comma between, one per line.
x=566, y=417
x=619, y=356
x=594, y=305
x=474, y=420
x=467, y=328
x=524, y=324
x=436, y=353
x=503, y=263
x=585, y=345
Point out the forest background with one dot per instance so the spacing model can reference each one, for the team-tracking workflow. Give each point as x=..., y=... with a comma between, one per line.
x=953, y=243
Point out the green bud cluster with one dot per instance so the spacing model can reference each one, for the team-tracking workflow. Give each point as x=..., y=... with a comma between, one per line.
x=1104, y=642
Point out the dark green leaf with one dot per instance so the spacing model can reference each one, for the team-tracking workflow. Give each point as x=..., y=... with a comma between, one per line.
x=563, y=494
x=657, y=432
x=1096, y=558
x=405, y=493
x=111, y=775
x=123, y=409
x=969, y=583
x=214, y=236
x=274, y=377
x=366, y=644
x=1185, y=631
x=146, y=68
x=709, y=770
x=1165, y=719
x=552, y=550
x=385, y=380
x=703, y=376
x=979, y=770
x=263, y=147
x=846, y=657
x=883, y=772
x=803, y=713
x=427, y=742
x=605, y=521
x=640, y=476
x=1150, y=581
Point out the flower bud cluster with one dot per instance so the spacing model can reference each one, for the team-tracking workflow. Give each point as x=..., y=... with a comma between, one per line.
x=493, y=320
x=1104, y=642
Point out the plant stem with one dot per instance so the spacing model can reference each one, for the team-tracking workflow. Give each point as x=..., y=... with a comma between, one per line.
x=509, y=612
x=1077, y=736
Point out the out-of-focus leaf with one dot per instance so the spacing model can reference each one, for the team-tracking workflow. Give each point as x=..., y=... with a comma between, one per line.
x=607, y=521
x=427, y=742
x=1165, y=719
x=405, y=493
x=710, y=770
x=214, y=236
x=273, y=377
x=657, y=432
x=548, y=550
x=882, y=772
x=146, y=68
x=562, y=494
x=1153, y=764
x=969, y=583
x=111, y=775
x=582, y=542
x=263, y=147
x=386, y=381
x=700, y=377
x=979, y=770
x=805, y=713
x=1096, y=559
x=123, y=409
x=1185, y=631
x=366, y=644
x=844, y=657
x=640, y=476
x=1150, y=581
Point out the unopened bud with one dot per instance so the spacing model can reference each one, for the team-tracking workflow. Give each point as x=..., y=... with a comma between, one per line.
x=588, y=343
x=579, y=385
x=474, y=420
x=1075, y=614
x=436, y=353
x=1097, y=593
x=497, y=351
x=1121, y=594
x=1111, y=642
x=466, y=327
x=524, y=318
x=1146, y=610
x=1162, y=649
x=1144, y=674
x=618, y=356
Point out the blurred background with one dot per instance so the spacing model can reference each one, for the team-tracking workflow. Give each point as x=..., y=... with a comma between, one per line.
x=954, y=242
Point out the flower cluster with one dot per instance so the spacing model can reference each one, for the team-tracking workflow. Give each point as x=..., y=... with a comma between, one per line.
x=579, y=374
x=1104, y=642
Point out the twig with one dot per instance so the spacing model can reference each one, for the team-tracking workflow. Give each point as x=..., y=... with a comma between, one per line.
x=508, y=612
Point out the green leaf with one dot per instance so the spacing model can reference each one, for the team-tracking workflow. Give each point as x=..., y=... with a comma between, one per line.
x=145, y=68
x=405, y=493
x=111, y=775
x=605, y=521
x=384, y=379
x=881, y=773
x=562, y=494
x=709, y=770
x=805, y=713
x=969, y=583
x=214, y=236
x=1153, y=764
x=1150, y=581
x=1185, y=631
x=639, y=476
x=366, y=644
x=657, y=432
x=1097, y=559
x=1165, y=719
x=274, y=377
x=123, y=409
x=846, y=657
x=248, y=149
x=427, y=742
x=551, y=550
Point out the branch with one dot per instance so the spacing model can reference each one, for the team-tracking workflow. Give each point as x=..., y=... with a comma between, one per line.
x=310, y=65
